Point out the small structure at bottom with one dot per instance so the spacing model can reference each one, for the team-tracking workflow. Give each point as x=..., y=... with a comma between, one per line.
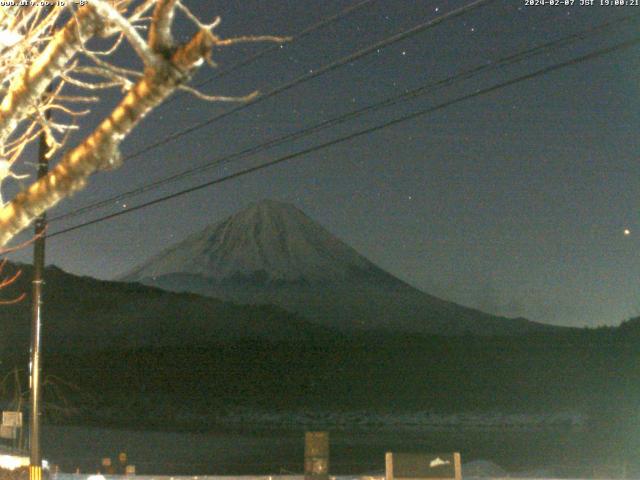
x=423, y=466
x=316, y=456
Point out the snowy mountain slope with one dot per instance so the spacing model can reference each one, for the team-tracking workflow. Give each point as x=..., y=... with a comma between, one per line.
x=269, y=242
x=272, y=253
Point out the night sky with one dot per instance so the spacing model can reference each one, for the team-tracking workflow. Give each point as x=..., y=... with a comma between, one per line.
x=515, y=202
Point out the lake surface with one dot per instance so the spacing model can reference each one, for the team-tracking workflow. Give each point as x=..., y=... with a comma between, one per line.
x=276, y=452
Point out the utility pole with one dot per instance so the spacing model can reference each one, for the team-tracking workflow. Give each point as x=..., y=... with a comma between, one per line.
x=35, y=456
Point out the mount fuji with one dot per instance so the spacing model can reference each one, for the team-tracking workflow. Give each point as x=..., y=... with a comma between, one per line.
x=272, y=253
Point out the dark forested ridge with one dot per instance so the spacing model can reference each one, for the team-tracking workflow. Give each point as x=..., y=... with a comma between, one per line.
x=148, y=362
x=590, y=371
x=85, y=314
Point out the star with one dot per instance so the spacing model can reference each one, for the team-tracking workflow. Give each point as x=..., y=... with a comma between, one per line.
x=627, y=232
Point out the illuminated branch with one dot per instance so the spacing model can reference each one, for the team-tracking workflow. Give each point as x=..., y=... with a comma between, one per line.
x=111, y=15
x=167, y=67
x=160, y=39
x=20, y=246
x=101, y=149
x=30, y=84
x=217, y=98
x=7, y=281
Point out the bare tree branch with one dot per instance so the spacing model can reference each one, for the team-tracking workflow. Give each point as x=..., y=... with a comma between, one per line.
x=100, y=149
x=167, y=67
x=217, y=98
x=7, y=281
x=160, y=38
x=29, y=85
x=110, y=14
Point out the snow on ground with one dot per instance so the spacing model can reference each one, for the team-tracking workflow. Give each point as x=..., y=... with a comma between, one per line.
x=261, y=443
x=484, y=469
x=422, y=421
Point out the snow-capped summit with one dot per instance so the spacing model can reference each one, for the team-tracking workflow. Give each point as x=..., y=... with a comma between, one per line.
x=268, y=242
x=272, y=253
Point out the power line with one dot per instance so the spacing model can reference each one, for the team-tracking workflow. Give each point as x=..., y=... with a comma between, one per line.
x=367, y=131
x=316, y=73
x=327, y=68
x=422, y=90
x=300, y=35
